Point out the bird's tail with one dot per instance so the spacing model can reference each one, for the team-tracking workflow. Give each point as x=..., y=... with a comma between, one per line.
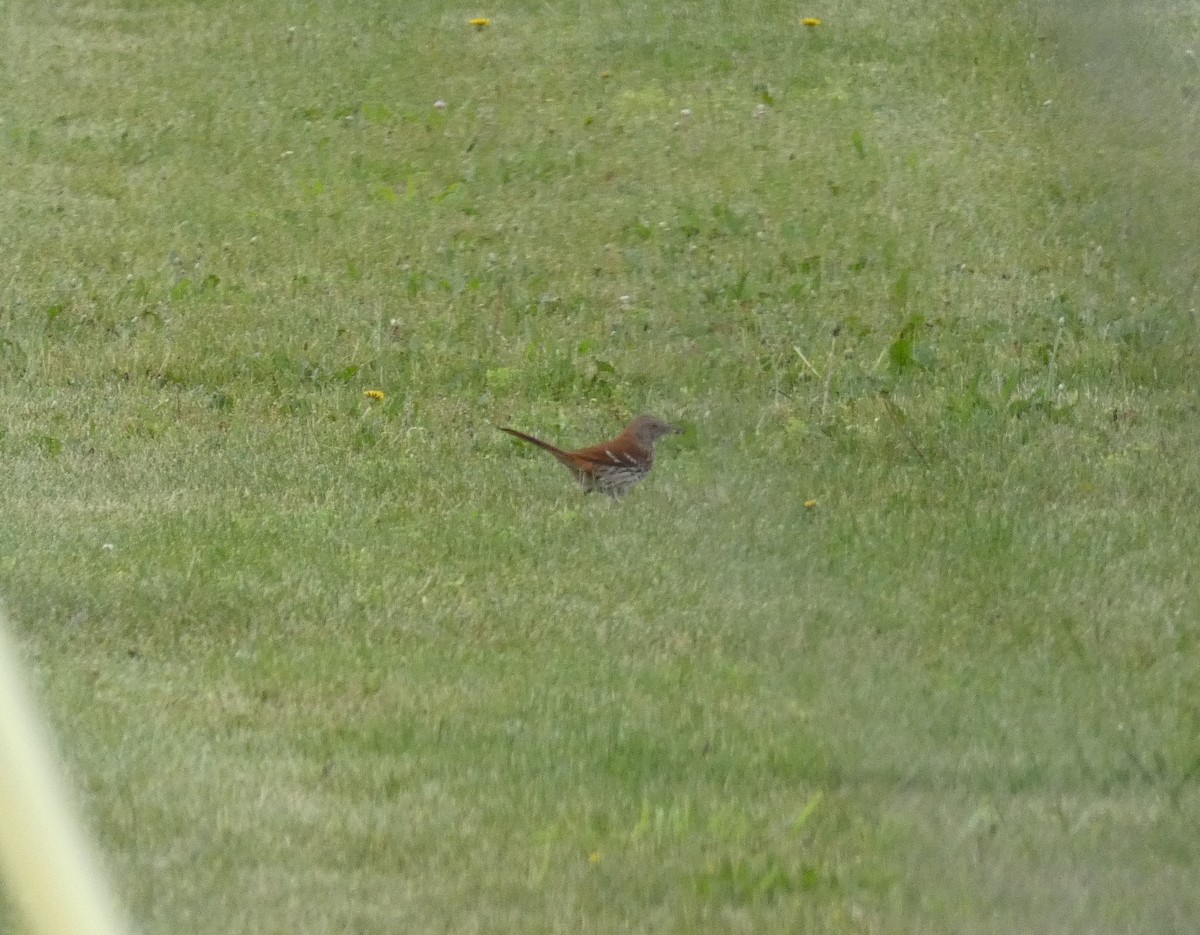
x=562, y=456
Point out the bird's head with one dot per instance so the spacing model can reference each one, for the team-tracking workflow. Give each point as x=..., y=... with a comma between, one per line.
x=649, y=429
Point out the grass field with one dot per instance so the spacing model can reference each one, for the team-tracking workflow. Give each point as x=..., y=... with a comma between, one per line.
x=322, y=663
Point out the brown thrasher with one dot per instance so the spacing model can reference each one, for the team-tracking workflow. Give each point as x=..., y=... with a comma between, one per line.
x=611, y=467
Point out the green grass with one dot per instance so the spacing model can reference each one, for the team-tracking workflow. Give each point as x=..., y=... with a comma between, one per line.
x=323, y=664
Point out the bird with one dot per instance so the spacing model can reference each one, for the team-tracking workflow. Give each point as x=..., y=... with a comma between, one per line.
x=612, y=467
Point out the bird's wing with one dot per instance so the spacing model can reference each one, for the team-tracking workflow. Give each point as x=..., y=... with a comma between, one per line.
x=611, y=454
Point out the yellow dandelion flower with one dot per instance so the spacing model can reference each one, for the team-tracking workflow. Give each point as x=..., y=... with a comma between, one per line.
x=810, y=504
x=811, y=22
x=594, y=857
x=376, y=395
x=481, y=22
